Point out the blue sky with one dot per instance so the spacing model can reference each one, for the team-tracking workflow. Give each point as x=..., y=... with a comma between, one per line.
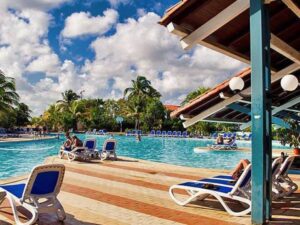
x=79, y=49
x=99, y=46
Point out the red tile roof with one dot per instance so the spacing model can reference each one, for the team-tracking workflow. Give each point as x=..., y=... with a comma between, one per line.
x=171, y=107
x=208, y=95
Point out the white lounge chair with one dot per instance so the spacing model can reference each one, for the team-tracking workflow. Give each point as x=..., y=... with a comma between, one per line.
x=284, y=183
x=277, y=191
x=239, y=191
x=87, y=152
x=90, y=148
x=109, y=148
x=38, y=194
x=2, y=196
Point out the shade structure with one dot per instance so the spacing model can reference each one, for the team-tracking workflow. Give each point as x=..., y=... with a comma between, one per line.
x=229, y=26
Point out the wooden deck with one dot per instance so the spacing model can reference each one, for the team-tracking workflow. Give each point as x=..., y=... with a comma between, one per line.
x=131, y=191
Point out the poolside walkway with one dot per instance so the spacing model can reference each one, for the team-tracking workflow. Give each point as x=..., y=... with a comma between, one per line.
x=132, y=191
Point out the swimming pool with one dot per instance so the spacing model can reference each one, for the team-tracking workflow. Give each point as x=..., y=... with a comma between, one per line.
x=18, y=158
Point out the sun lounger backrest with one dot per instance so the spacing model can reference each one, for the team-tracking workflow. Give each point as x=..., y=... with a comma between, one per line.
x=276, y=166
x=90, y=143
x=244, y=179
x=286, y=165
x=44, y=180
x=110, y=145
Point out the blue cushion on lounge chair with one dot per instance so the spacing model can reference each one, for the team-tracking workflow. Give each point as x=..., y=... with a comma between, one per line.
x=89, y=144
x=224, y=177
x=15, y=189
x=45, y=183
x=217, y=181
x=110, y=146
x=200, y=185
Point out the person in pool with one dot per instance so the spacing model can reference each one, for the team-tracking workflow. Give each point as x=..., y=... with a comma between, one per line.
x=68, y=143
x=138, y=137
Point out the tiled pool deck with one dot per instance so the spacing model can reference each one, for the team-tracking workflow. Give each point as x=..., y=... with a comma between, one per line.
x=131, y=191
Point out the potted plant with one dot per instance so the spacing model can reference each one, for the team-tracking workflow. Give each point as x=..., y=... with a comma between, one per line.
x=291, y=136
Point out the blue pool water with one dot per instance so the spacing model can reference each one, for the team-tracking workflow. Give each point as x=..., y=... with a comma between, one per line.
x=19, y=158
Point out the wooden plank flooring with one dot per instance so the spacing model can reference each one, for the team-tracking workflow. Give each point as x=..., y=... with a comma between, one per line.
x=130, y=191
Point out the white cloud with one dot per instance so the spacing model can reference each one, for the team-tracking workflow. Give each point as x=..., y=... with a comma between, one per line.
x=141, y=12
x=115, y=3
x=32, y=4
x=48, y=63
x=143, y=47
x=138, y=47
x=83, y=23
x=24, y=48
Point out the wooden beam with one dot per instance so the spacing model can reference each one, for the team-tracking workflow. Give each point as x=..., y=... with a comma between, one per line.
x=225, y=95
x=215, y=23
x=292, y=6
x=178, y=30
x=185, y=116
x=223, y=121
x=182, y=32
x=211, y=111
x=247, y=111
x=285, y=49
x=203, y=115
x=284, y=107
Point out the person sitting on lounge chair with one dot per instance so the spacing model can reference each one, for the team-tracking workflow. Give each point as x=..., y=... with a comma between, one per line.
x=230, y=141
x=220, y=140
x=239, y=169
x=68, y=143
x=76, y=142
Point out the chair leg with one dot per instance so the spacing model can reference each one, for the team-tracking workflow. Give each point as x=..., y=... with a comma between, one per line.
x=193, y=196
x=230, y=211
x=61, y=154
x=30, y=208
x=60, y=212
x=104, y=155
x=71, y=156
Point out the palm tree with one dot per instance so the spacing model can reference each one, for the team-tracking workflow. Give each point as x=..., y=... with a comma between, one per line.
x=74, y=110
x=8, y=96
x=68, y=97
x=195, y=94
x=137, y=96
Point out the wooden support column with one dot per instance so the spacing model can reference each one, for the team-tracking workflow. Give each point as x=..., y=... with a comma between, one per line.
x=261, y=111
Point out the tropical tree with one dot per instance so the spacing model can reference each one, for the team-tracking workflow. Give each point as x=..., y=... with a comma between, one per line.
x=7, y=118
x=137, y=96
x=22, y=114
x=52, y=117
x=154, y=115
x=194, y=94
x=8, y=95
x=67, y=97
x=71, y=113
